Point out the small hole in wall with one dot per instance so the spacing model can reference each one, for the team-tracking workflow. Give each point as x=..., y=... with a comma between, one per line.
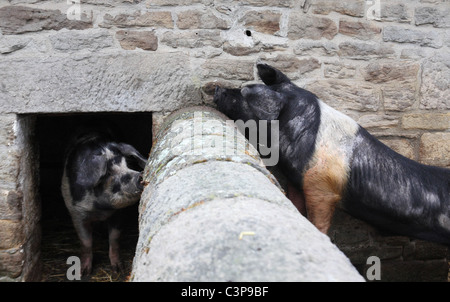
x=59, y=239
x=248, y=33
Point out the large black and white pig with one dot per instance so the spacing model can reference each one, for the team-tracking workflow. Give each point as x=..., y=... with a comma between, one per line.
x=330, y=159
x=100, y=178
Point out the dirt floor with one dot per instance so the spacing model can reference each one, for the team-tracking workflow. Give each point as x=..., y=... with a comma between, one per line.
x=59, y=241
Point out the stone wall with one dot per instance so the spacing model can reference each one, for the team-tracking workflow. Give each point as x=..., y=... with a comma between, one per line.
x=384, y=63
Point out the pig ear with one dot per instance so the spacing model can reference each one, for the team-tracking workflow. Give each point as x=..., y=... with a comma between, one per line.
x=264, y=102
x=270, y=75
x=91, y=173
x=130, y=151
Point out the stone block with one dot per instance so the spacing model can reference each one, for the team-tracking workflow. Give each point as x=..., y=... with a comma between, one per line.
x=365, y=50
x=11, y=234
x=426, y=250
x=229, y=69
x=267, y=21
x=11, y=205
x=131, y=39
x=393, y=75
x=347, y=94
x=21, y=19
x=426, y=121
x=378, y=121
x=192, y=39
x=435, y=149
x=355, y=8
x=395, y=12
x=113, y=81
x=293, y=66
x=92, y=40
x=11, y=263
x=358, y=29
x=435, y=86
x=313, y=47
x=274, y=3
x=155, y=19
x=152, y=3
x=303, y=26
x=414, y=271
x=201, y=19
x=407, y=35
x=339, y=70
x=390, y=71
x=438, y=16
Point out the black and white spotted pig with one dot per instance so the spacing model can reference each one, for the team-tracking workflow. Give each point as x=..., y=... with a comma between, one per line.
x=97, y=182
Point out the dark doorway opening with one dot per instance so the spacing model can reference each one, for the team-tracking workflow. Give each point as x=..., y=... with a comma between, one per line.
x=59, y=239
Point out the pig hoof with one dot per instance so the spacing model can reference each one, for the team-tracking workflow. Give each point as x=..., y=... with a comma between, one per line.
x=86, y=270
x=117, y=268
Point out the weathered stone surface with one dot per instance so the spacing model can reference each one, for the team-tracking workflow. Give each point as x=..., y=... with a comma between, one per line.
x=427, y=121
x=414, y=270
x=11, y=234
x=11, y=263
x=435, y=86
x=399, y=99
x=201, y=19
x=263, y=21
x=293, y=66
x=10, y=44
x=435, y=149
x=397, y=12
x=354, y=8
x=378, y=121
x=230, y=70
x=21, y=19
x=358, y=29
x=345, y=94
x=192, y=39
x=303, y=26
x=407, y=35
x=138, y=19
x=92, y=40
x=439, y=16
x=365, y=51
x=11, y=205
x=9, y=153
x=383, y=72
x=312, y=47
x=130, y=39
x=339, y=70
x=241, y=50
x=105, y=82
x=392, y=75
x=275, y=3
x=152, y=3
x=413, y=53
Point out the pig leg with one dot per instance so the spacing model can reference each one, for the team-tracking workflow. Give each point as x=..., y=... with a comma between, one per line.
x=296, y=197
x=323, y=186
x=114, y=246
x=84, y=231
